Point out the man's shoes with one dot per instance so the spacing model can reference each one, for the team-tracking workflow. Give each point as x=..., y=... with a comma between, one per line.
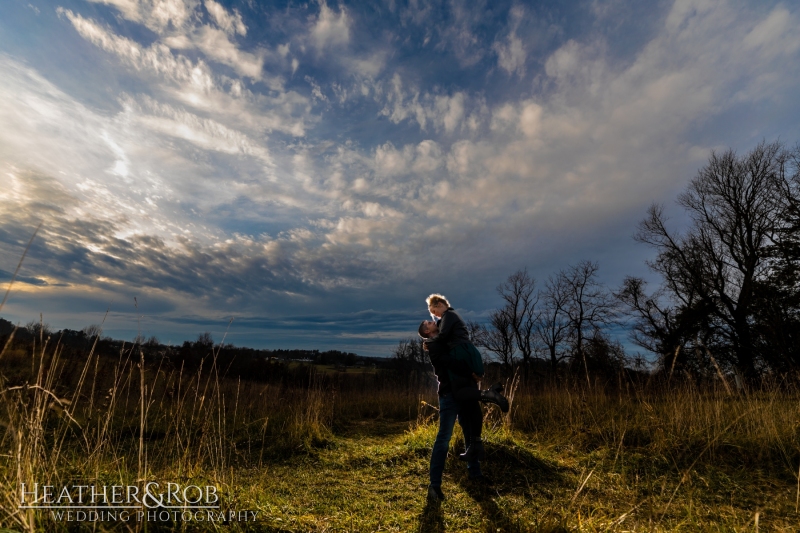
x=435, y=494
x=475, y=451
x=491, y=395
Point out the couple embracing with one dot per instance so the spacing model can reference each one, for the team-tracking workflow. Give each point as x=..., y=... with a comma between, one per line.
x=458, y=367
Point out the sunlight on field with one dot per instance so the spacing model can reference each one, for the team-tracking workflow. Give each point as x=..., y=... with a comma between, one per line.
x=323, y=450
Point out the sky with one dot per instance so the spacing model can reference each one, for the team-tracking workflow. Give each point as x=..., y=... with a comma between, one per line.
x=314, y=170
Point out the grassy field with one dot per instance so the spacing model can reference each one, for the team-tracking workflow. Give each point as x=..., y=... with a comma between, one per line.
x=349, y=452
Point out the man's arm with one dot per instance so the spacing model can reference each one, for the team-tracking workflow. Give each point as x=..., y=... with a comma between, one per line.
x=439, y=354
x=437, y=351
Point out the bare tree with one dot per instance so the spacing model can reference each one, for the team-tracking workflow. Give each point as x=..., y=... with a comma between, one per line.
x=661, y=325
x=605, y=356
x=519, y=293
x=39, y=329
x=93, y=330
x=409, y=361
x=589, y=305
x=653, y=327
x=552, y=328
x=475, y=331
x=497, y=338
x=204, y=340
x=777, y=298
x=733, y=202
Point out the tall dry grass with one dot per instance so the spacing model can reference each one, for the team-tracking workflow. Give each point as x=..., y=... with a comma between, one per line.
x=125, y=420
x=128, y=419
x=680, y=421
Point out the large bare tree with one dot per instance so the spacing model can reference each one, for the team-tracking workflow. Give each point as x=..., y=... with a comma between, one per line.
x=733, y=204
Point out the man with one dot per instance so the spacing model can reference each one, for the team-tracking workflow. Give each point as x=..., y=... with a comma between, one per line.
x=450, y=355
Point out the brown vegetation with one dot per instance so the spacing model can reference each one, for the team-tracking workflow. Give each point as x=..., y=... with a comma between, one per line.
x=124, y=420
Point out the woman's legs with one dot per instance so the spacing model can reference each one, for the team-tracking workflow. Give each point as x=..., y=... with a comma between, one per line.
x=467, y=390
x=475, y=414
x=471, y=418
x=470, y=415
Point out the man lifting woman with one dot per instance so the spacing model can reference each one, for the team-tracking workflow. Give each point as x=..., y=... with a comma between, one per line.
x=458, y=367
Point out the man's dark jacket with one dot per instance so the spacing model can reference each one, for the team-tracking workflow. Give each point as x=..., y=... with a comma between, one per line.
x=452, y=332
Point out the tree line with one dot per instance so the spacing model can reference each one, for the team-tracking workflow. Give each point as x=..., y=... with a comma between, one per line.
x=728, y=301
x=263, y=365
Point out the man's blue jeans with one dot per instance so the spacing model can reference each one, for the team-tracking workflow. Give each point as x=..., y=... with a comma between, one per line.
x=448, y=414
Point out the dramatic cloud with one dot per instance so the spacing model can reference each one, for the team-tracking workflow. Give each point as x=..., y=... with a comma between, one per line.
x=316, y=170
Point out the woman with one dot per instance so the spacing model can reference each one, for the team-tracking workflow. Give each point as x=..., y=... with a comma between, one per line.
x=458, y=391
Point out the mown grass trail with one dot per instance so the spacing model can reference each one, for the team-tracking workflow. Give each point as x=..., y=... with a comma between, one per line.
x=373, y=477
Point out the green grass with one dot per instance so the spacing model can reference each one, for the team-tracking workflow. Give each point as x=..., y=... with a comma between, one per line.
x=352, y=455
x=374, y=478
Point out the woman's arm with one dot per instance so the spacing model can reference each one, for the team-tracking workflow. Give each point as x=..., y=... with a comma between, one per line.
x=449, y=321
x=452, y=328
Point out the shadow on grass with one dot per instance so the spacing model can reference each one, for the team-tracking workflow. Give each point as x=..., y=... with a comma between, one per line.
x=514, y=470
x=431, y=519
x=514, y=466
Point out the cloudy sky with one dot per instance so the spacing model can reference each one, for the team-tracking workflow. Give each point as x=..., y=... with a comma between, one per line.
x=315, y=169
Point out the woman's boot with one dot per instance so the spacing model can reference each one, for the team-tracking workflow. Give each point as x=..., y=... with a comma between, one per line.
x=491, y=395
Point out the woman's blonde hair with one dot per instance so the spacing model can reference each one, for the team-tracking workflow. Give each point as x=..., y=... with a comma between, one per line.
x=434, y=299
